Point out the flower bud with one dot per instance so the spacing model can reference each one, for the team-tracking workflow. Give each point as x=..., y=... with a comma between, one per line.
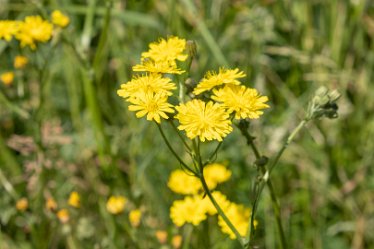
x=191, y=48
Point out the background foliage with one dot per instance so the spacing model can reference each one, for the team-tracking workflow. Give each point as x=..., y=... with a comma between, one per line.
x=91, y=144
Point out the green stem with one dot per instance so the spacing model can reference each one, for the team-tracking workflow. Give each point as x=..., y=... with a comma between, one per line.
x=258, y=190
x=173, y=151
x=88, y=74
x=207, y=191
x=220, y=211
x=277, y=213
x=214, y=154
x=180, y=136
x=103, y=38
x=91, y=101
x=288, y=141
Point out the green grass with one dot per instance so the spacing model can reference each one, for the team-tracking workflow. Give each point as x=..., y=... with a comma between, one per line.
x=324, y=181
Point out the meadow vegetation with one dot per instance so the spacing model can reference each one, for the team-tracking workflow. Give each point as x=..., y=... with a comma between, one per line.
x=80, y=169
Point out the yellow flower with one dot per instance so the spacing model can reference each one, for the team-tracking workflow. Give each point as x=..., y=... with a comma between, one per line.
x=22, y=204
x=161, y=236
x=152, y=83
x=189, y=210
x=176, y=241
x=7, y=78
x=245, y=102
x=116, y=204
x=34, y=29
x=8, y=29
x=63, y=215
x=60, y=19
x=239, y=217
x=161, y=67
x=213, y=79
x=167, y=50
x=206, y=121
x=51, y=204
x=74, y=199
x=220, y=198
x=182, y=183
x=154, y=105
x=20, y=62
x=134, y=217
x=216, y=173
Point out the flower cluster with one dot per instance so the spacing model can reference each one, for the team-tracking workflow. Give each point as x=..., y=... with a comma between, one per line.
x=208, y=116
x=148, y=93
x=213, y=120
x=194, y=208
x=33, y=29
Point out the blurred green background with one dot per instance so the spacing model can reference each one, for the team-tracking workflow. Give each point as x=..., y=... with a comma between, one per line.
x=90, y=143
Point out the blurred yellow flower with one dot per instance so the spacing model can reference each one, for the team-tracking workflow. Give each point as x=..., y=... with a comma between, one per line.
x=189, y=210
x=239, y=217
x=74, y=199
x=245, y=102
x=7, y=78
x=135, y=217
x=63, y=215
x=8, y=29
x=60, y=19
x=20, y=62
x=154, y=105
x=161, y=236
x=22, y=204
x=51, y=204
x=176, y=241
x=167, y=50
x=152, y=83
x=208, y=121
x=213, y=79
x=182, y=183
x=116, y=204
x=216, y=173
x=34, y=29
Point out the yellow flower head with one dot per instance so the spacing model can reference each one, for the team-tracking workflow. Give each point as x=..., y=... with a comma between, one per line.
x=116, y=204
x=152, y=83
x=134, y=217
x=176, y=241
x=161, y=236
x=20, y=62
x=213, y=79
x=245, y=102
x=7, y=78
x=160, y=67
x=60, y=19
x=189, y=210
x=63, y=215
x=34, y=29
x=216, y=173
x=154, y=105
x=22, y=204
x=51, y=204
x=207, y=121
x=182, y=183
x=8, y=29
x=74, y=199
x=167, y=50
x=239, y=216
